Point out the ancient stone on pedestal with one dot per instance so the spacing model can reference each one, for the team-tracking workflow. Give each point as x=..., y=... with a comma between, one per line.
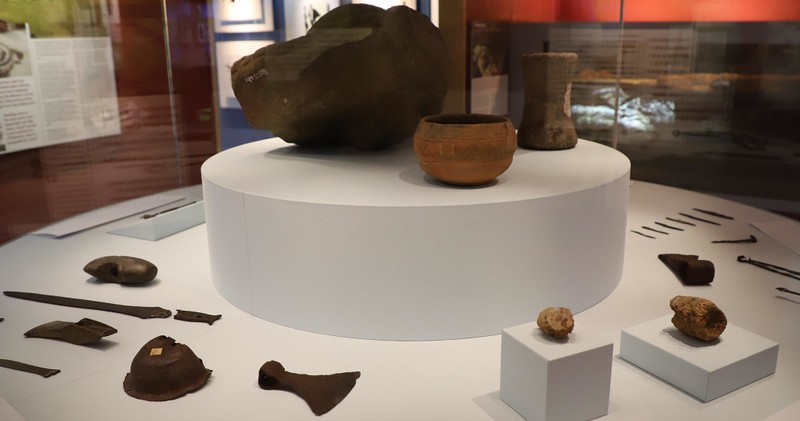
x=546, y=116
x=698, y=317
x=361, y=76
x=556, y=321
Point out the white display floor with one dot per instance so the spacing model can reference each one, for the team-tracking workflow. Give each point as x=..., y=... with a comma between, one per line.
x=401, y=380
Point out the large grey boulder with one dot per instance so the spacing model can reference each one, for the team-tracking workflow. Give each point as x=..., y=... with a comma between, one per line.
x=361, y=76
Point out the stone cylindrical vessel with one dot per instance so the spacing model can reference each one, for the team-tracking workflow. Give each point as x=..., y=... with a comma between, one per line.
x=546, y=117
x=465, y=149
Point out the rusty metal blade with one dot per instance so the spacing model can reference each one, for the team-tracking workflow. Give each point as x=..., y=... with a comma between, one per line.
x=16, y=365
x=136, y=311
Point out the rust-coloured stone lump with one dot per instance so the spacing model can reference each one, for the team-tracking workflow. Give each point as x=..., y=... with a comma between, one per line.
x=556, y=321
x=698, y=317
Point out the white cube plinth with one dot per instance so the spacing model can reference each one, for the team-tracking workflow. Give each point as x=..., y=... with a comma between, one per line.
x=705, y=370
x=546, y=379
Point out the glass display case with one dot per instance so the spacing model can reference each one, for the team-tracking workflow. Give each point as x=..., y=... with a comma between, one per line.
x=698, y=94
x=109, y=100
x=340, y=258
x=104, y=101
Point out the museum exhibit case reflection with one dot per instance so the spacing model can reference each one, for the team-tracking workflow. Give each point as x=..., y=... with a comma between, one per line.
x=313, y=253
x=106, y=101
x=698, y=95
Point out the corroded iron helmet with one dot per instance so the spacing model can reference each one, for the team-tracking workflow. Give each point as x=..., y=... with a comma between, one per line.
x=163, y=370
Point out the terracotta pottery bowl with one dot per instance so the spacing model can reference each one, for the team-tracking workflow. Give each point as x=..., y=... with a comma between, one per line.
x=465, y=149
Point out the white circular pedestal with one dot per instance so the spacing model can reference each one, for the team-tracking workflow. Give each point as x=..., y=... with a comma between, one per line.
x=365, y=245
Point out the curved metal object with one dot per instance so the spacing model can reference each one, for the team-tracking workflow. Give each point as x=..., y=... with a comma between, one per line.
x=140, y=312
x=164, y=370
x=780, y=270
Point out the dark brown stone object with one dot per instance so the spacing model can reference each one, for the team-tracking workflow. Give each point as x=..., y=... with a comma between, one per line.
x=465, y=149
x=689, y=268
x=196, y=316
x=82, y=332
x=321, y=392
x=361, y=76
x=164, y=370
x=121, y=269
x=698, y=317
x=546, y=116
x=556, y=322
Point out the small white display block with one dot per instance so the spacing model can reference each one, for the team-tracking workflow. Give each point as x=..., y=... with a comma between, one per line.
x=546, y=379
x=161, y=225
x=705, y=370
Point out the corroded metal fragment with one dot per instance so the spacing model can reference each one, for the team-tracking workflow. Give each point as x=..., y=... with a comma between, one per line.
x=321, y=392
x=556, y=321
x=16, y=365
x=698, y=317
x=689, y=268
x=196, y=316
x=164, y=370
x=85, y=331
x=136, y=311
x=121, y=269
